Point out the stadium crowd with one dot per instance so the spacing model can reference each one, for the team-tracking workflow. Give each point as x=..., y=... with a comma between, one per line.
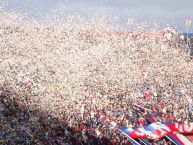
x=57, y=82
x=81, y=123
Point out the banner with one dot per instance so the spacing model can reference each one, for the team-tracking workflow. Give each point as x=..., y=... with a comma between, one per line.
x=181, y=128
x=158, y=130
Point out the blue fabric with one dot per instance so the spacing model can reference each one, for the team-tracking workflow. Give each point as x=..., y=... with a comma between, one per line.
x=126, y=130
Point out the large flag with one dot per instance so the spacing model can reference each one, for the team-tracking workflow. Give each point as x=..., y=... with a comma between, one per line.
x=155, y=130
x=181, y=128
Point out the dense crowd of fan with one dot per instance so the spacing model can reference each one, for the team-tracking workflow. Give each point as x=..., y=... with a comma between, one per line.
x=57, y=78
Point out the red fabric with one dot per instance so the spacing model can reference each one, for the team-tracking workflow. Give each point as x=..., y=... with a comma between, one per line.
x=190, y=137
x=181, y=128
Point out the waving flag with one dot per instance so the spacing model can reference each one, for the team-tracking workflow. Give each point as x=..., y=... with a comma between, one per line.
x=152, y=131
x=155, y=130
x=181, y=128
x=132, y=133
x=173, y=127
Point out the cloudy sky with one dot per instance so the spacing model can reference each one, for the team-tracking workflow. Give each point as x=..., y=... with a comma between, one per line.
x=164, y=12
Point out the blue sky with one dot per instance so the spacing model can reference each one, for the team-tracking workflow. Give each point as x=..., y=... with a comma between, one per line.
x=172, y=12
